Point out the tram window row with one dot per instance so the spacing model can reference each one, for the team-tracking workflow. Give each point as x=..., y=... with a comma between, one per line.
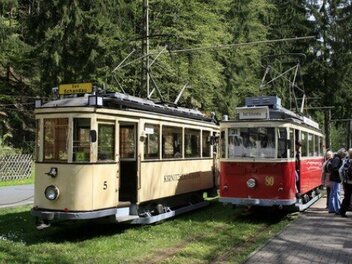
x=269, y=142
x=160, y=141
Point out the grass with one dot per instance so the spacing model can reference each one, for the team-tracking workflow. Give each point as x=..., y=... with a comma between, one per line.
x=29, y=180
x=216, y=234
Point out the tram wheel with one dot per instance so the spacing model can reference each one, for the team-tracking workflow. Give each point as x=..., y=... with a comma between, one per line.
x=306, y=198
x=159, y=209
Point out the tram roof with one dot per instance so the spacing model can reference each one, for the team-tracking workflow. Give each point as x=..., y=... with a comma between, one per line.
x=264, y=108
x=128, y=102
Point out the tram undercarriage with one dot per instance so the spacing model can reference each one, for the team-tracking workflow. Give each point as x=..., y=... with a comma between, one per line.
x=127, y=212
x=308, y=199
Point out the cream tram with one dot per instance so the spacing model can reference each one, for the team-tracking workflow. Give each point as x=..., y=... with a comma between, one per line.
x=270, y=156
x=120, y=157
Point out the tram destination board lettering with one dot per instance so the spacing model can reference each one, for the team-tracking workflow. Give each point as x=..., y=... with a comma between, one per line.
x=180, y=177
x=253, y=113
x=75, y=88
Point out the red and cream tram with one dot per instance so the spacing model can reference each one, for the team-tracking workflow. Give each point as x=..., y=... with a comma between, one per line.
x=118, y=156
x=270, y=156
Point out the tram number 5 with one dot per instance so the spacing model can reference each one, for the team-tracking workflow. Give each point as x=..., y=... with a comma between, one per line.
x=269, y=180
x=105, y=185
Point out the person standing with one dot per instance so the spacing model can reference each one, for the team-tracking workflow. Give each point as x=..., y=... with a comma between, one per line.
x=333, y=168
x=346, y=179
x=326, y=175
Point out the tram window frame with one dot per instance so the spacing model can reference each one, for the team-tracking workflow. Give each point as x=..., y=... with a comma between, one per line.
x=321, y=146
x=292, y=142
x=81, y=140
x=251, y=142
x=310, y=145
x=59, y=140
x=222, y=144
x=206, y=144
x=106, y=142
x=151, y=140
x=37, y=139
x=316, y=146
x=172, y=142
x=192, y=143
x=127, y=142
x=304, y=144
x=282, y=142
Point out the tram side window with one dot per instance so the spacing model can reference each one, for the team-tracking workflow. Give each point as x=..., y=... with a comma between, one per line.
x=292, y=143
x=321, y=150
x=316, y=146
x=282, y=143
x=171, y=142
x=151, y=142
x=37, y=139
x=81, y=140
x=222, y=144
x=304, y=142
x=192, y=143
x=55, y=139
x=127, y=142
x=106, y=142
x=206, y=144
x=310, y=145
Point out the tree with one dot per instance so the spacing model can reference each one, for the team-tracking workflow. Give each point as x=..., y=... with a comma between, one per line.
x=247, y=22
x=17, y=75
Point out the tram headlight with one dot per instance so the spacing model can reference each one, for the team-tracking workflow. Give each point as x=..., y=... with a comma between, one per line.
x=52, y=192
x=251, y=183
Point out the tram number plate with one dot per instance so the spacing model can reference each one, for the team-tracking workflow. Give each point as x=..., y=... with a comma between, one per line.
x=269, y=180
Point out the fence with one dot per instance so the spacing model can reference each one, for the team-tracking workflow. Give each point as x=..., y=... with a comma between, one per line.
x=15, y=167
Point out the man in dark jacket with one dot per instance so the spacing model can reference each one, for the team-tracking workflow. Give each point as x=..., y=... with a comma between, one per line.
x=334, y=200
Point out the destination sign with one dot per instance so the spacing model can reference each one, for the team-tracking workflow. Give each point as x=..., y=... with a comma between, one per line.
x=75, y=88
x=253, y=112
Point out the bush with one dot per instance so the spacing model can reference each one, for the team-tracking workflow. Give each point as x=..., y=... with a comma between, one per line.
x=7, y=150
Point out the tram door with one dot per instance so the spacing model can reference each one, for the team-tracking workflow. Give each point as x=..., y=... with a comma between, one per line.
x=128, y=162
x=298, y=160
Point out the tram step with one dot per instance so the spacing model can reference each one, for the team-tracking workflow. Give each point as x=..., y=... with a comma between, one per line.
x=126, y=218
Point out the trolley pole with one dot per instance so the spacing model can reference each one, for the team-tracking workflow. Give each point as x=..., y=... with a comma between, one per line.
x=145, y=47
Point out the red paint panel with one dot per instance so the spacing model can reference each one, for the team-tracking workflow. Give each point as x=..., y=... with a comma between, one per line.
x=273, y=180
x=310, y=174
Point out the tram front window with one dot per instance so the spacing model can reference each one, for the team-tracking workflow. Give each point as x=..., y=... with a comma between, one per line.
x=55, y=139
x=251, y=142
x=81, y=140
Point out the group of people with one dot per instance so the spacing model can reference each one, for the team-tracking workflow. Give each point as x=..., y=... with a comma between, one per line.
x=337, y=169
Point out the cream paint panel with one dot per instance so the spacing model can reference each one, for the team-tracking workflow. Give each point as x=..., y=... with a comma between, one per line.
x=79, y=186
x=162, y=179
x=105, y=186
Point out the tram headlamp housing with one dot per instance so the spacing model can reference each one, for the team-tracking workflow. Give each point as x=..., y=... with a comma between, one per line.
x=251, y=183
x=52, y=193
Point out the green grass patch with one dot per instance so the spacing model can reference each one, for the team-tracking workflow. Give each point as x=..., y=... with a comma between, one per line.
x=29, y=180
x=216, y=234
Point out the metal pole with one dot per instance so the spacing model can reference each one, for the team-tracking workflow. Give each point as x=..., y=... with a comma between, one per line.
x=328, y=130
x=146, y=3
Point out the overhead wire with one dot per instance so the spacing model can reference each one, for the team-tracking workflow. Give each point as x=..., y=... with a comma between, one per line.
x=224, y=46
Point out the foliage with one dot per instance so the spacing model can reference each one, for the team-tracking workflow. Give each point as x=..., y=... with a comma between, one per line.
x=5, y=149
x=45, y=43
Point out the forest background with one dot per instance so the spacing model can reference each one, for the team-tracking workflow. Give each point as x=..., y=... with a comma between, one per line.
x=44, y=43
